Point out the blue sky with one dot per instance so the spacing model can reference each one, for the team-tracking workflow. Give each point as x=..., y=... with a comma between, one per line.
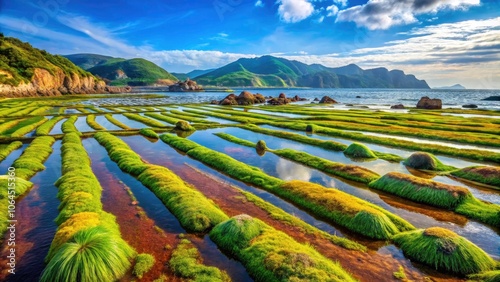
x=442, y=41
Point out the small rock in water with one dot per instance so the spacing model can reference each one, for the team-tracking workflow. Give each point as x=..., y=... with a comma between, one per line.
x=469, y=106
x=358, y=97
x=429, y=104
x=327, y=100
x=398, y=106
x=316, y=99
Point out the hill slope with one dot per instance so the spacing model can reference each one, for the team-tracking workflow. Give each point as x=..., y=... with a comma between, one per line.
x=27, y=71
x=118, y=71
x=268, y=71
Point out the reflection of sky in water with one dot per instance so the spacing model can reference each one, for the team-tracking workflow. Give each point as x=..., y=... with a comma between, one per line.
x=287, y=170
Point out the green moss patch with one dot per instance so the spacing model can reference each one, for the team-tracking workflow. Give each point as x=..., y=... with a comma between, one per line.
x=488, y=276
x=357, y=150
x=184, y=126
x=444, y=250
x=45, y=128
x=5, y=150
x=143, y=264
x=21, y=186
x=193, y=210
x=186, y=262
x=148, y=132
x=69, y=126
x=422, y=190
x=488, y=175
x=32, y=159
x=271, y=255
x=92, y=123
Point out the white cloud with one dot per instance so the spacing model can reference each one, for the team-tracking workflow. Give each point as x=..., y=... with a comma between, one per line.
x=332, y=10
x=259, y=3
x=341, y=3
x=382, y=14
x=292, y=11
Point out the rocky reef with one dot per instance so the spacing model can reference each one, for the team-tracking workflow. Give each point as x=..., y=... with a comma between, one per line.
x=429, y=104
x=185, y=86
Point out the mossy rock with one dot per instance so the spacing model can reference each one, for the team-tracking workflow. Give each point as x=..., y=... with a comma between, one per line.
x=426, y=161
x=184, y=126
x=261, y=145
x=444, y=250
x=236, y=233
x=358, y=150
x=310, y=128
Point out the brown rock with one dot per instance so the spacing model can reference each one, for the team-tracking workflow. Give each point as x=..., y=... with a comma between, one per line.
x=327, y=100
x=246, y=98
x=282, y=96
x=398, y=106
x=259, y=98
x=214, y=102
x=316, y=99
x=429, y=104
x=469, y=106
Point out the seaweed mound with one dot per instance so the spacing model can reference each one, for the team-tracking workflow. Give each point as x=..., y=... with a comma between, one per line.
x=426, y=161
x=444, y=250
x=421, y=190
x=184, y=126
x=358, y=150
x=488, y=175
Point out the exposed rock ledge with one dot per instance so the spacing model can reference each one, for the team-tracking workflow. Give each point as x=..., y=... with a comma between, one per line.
x=44, y=83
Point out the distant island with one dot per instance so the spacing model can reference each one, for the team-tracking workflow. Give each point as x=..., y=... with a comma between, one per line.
x=456, y=86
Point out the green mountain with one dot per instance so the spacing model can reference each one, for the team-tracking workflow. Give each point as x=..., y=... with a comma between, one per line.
x=28, y=71
x=269, y=71
x=118, y=71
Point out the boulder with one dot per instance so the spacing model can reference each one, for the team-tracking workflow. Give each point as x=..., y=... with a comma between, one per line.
x=245, y=98
x=327, y=100
x=185, y=86
x=469, y=106
x=429, y=104
x=316, y=99
x=278, y=101
x=282, y=96
x=259, y=98
x=358, y=97
x=398, y=106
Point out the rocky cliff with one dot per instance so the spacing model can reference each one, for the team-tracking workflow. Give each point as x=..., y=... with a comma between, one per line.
x=43, y=83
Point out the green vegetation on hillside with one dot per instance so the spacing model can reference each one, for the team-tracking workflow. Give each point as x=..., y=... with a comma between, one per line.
x=19, y=59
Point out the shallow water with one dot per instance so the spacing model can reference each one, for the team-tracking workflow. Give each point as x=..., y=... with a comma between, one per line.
x=9, y=160
x=132, y=123
x=102, y=120
x=288, y=170
x=36, y=212
x=470, y=115
x=82, y=126
x=427, y=141
x=57, y=127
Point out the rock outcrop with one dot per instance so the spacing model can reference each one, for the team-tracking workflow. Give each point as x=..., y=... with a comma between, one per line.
x=470, y=106
x=185, y=86
x=245, y=98
x=327, y=100
x=429, y=104
x=492, y=98
x=44, y=83
x=398, y=106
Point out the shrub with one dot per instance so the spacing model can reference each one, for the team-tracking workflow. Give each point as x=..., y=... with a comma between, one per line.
x=444, y=250
x=271, y=255
x=143, y=264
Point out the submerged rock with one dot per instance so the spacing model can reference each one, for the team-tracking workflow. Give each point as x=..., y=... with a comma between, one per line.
x=327, y=100
x=429, y=104
x=469, y=106
x=492, y=98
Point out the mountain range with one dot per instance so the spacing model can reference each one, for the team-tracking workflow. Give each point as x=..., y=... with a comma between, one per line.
x=269, y=71
x=118, y=71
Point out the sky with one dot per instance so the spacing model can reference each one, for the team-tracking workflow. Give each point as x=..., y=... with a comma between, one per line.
x=442, y=41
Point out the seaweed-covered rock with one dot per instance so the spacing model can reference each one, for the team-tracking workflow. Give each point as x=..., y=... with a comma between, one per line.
x=261, y=145
x=426, y=161
x=310, y=128
x=444, y=250
x=184, y=126
x=358, y=150
x=429, y=104
x=327, y=100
